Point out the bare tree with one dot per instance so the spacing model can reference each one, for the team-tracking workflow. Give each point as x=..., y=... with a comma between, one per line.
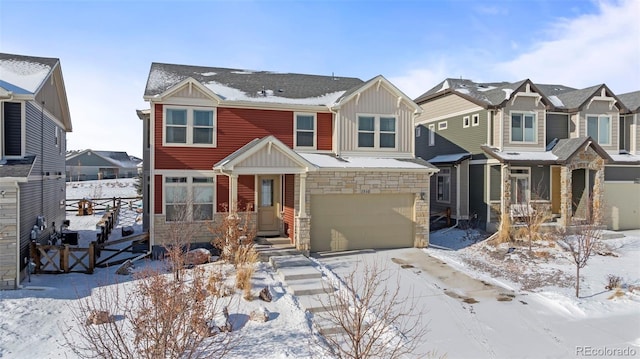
x=373, y=319
x=581, y=245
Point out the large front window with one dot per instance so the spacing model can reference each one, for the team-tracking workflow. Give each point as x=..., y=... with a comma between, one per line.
x=523, y=127
x=520, y=186
x=305, y=130
x=376, y=131
x=599, y=128
x=443, y=185
x=190, y=126
x=189, y=198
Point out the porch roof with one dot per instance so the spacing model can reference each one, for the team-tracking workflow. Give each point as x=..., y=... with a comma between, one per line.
x=454, y=158
x=354, y=163
x=17, y=168
x=563, y=150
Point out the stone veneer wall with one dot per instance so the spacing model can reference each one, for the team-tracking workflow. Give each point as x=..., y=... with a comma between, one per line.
x=353, y=182
x=8, y=238
x=201, y=233
x=588, y=159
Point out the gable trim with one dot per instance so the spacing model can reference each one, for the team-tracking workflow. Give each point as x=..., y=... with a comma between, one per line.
x=379, y=81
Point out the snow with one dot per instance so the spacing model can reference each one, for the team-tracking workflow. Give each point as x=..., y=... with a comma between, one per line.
x=556, y=101
x=625, y=157
x=209, y=73
x=477, y=301
x=160, y=79
x=527, y=155
x=24, y=74
x=445, y=85
x=233, y=94
x=455, y=157
x=330, y=161
x=507, y=93
x=463, y=91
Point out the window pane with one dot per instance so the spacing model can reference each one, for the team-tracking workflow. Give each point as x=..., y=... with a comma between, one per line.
x=266, y=194
x=176, y=134
x=202, y=212
x=304, y=139
x=387, y=124
x=388, y=140
x=366, y=123
x=202, y=194
x=304, y=122
x=516, y=127
x=176, y=212
x=203, y=135
x=365, y=139
x=177, y=117
x=529, y=128
x=202, y=179
x=175, y=180
x=603, y=130
x=592, y=127
x=176, y=194
x=202, y=118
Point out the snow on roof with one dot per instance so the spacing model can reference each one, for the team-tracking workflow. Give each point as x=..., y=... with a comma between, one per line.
x=160, y=79
x=25, y=74
x=330, y=161
x=527, y=155
x=556, y=101
x=507, y=93
x=625, y=157
x=454, y=157
x=233, y=94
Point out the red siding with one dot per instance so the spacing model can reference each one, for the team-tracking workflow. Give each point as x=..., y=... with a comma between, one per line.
x=222, y=193
x=157, y=198
x=246, y=192
x=289, y=205
x=236, y=127
x=325, y=131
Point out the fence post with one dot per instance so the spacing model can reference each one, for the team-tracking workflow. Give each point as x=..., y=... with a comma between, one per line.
x=35, y=256
x=64, y=258
x=92, y=258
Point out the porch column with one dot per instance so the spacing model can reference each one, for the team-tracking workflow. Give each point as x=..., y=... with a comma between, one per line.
x=303, y=200
x=598, y=197
x=565, y=196
x=505, y=208
x=233, y=193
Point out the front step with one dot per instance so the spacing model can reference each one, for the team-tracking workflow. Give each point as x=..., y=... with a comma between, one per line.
x=274, y=241
x=308, y=287
x=326, y=327
x=297, y=273
x=297, y=260
x=315, y=303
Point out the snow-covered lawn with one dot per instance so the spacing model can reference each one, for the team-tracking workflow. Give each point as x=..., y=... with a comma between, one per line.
x=479, y=301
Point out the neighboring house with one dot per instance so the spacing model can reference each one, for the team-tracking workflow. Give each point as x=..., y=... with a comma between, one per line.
x=96, y=165
x=501, y=145
x=326, y=161
x=33, y=125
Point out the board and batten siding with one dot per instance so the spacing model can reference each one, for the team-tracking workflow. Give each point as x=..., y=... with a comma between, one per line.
x=445, y=106
x=524, y=104
x=376, y=101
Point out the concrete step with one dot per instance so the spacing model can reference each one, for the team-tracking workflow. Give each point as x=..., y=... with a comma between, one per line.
x=274, y=241
x=307, y=287
x=315, y=303
x=265, y=254
x=296, y=260
x=296, y=273
x=326, y=327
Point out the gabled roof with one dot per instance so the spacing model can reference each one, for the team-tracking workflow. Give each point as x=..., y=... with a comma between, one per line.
x=454, y=158
x=567, y=147
x=24, y=77
x=252, y=86
x=117, y=158
x=631, y=101
x=376, y=81
x=17, y=168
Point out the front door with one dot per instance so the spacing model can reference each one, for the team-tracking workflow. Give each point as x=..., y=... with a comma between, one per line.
x=269, y=204
x=556, y=191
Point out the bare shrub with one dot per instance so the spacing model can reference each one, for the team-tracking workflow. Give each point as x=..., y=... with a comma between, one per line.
x=613, y=282
x=373, y=318
x=504, y=227
x=234, y=232
x=531, y=215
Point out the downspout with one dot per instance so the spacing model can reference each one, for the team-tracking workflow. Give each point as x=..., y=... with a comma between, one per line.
x=42, y=159
x=457, y=194
x=18, y=285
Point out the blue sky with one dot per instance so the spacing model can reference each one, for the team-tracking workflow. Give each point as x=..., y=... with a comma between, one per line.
x=107, y=47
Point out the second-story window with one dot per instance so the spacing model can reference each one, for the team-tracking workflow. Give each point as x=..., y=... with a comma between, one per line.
x=599, y=128
x=523, y=127
x=190, y=127
x=305, y=130
x=376, y=131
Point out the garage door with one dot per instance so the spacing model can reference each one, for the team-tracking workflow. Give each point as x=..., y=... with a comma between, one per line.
x=345, y=222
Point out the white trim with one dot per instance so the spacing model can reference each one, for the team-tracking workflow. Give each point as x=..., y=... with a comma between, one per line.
x=443, y=125
x=598, y=118
x=444, y=174
x=466, y=121
x=432, y=134
x=535, y=127
x=314, y=130
x=189, y=126
x=520, y=175
x=475, y=119
x=449, y=115
x=488, y=161
x=189, y=175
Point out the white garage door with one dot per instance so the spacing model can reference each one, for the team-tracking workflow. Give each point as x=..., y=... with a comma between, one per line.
x=345, y=221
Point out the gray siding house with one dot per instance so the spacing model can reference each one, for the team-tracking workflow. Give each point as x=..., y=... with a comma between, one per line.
x=96, y=165
x=34, y=120
x=500, y=145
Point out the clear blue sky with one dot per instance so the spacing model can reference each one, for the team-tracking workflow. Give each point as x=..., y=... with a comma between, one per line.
x=106, y=47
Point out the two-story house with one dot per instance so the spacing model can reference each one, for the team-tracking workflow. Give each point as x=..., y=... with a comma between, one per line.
x=326, y=161
x=34, y=120
x=501, y=145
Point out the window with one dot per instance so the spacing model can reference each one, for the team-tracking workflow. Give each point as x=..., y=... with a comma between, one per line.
x=442, y=125
x=305, y=130
x=475, y=120
x=519, y=185
x=432, y=135
x=194, y=127
x=466, y=121
x=188, y=198
x=599, y=128
x=376, y=131
x=443, y=185
x=523, y=127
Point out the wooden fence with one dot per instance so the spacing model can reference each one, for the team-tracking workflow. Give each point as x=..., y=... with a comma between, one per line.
x=53, y=259
x=99, y=204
